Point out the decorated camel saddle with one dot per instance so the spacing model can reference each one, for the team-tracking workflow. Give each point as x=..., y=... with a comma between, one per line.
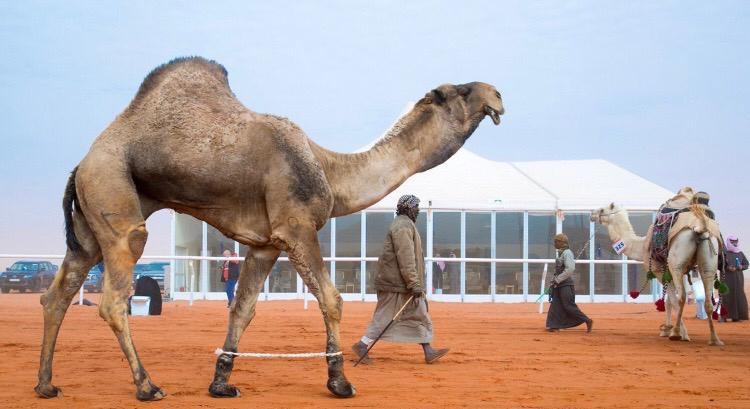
x=686, y=210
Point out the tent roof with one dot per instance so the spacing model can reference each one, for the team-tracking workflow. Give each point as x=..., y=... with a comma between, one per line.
x=469, y=181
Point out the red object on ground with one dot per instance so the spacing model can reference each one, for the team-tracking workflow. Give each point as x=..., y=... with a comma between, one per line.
x=660, y=305
x=634, y=294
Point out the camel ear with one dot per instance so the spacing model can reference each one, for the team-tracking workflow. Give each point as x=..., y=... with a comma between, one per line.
x=612, y=206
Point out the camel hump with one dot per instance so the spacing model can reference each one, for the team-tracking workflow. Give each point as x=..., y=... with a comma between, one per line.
x=185, y=69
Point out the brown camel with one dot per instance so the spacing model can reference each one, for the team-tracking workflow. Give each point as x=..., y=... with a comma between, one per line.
x=186, y=143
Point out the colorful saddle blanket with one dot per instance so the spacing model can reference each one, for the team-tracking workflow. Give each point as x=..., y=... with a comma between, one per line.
x=660, y=237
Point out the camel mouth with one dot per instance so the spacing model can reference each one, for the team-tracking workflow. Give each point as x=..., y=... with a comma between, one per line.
x=493, y=113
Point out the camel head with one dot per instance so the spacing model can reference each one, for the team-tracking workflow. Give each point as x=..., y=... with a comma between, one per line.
x=605, y=215
x=466, y=104
x=457, y=111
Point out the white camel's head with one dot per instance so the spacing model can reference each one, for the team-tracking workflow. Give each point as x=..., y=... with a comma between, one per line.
x=605, y=214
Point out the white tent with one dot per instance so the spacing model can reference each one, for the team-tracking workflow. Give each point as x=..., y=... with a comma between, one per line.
x=469, y=181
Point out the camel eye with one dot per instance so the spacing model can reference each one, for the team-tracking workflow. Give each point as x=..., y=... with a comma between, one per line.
x=497, y=94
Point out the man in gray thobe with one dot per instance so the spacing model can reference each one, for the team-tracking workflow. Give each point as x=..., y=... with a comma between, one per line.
x=401, y=275
x=563, y=311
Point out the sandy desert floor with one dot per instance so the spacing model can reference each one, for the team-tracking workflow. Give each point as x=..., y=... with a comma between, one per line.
x=500, y=357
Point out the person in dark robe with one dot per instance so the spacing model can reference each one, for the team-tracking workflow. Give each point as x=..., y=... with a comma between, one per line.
x=735, y=263
x=438, y=269
x=453, y=274
x=563, y=311
x=400, y=275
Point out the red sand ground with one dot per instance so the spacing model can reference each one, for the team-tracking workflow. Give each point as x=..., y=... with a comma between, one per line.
x=500, y=357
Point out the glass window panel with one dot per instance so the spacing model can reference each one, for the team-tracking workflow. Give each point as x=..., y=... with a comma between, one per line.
x=446, y=241
x=377, y=229
x=348, y=276
x=422, y=229
x=577, y=227
x=451, y=278
x=509, y=235
x=608, y=277
x=478, y=278
x=188, y=242
x=446, y=234
x=348, y=235
x=509, y=244
x=637, y=272
x=478, y=235
x=216, y=245
x=439, y=271
x=372, y=269
x=283, y=278
x=510, y=279
x=541, y=231
x=324, y=239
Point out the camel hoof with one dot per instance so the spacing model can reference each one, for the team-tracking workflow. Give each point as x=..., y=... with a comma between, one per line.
x=664, y=334
x=223, y=390
x=716, y=343
x=675, y=338
x=47, y=391
x=341, y=387
x=154, y=393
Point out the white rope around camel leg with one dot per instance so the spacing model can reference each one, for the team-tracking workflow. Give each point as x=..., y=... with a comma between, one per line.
x=220, y=351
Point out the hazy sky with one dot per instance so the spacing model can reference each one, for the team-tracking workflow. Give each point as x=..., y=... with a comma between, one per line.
x=660, y=88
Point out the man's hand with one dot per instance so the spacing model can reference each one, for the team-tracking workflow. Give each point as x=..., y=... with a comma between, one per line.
x=417, y=292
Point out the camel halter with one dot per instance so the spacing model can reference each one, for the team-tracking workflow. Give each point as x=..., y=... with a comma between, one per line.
x=599, y=215
x=220, y=352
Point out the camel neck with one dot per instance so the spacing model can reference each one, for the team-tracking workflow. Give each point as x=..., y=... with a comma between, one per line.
x=621, y=229
x=359, y=180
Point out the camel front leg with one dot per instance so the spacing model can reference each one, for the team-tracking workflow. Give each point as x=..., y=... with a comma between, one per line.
x=301, y=243
x=258, y=263
x=708, y=282
x=667, y=326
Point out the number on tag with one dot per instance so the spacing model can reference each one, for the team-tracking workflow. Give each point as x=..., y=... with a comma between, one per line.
x=618, y=247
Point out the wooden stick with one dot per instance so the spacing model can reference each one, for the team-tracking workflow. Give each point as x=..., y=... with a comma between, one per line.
x=384, y=330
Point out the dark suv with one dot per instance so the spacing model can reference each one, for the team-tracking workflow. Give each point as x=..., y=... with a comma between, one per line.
x=27, y=275
x=95, y=279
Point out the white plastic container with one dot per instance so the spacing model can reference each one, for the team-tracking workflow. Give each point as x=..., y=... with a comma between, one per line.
x=139, y=305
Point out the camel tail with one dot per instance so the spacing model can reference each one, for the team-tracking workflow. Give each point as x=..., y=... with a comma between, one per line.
x=70, y=200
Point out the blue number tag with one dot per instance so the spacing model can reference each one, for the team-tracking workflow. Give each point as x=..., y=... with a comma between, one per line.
x=618, y=247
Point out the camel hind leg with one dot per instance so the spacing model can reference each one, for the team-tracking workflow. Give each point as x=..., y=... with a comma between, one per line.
x=680, y=261
x=113, y=210
x=56, y=300
x=301, y=243
x=708, y=264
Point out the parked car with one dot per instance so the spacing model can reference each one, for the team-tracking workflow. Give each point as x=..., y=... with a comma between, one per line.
x=27, y=275
x=155, y=270
x=95, y=279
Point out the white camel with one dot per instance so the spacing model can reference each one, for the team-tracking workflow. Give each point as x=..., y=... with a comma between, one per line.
x=688, y=247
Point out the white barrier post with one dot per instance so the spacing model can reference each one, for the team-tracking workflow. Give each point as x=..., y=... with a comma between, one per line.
x=544, y=280
x=304, y=294
x=80, y=296
x=190, y=284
